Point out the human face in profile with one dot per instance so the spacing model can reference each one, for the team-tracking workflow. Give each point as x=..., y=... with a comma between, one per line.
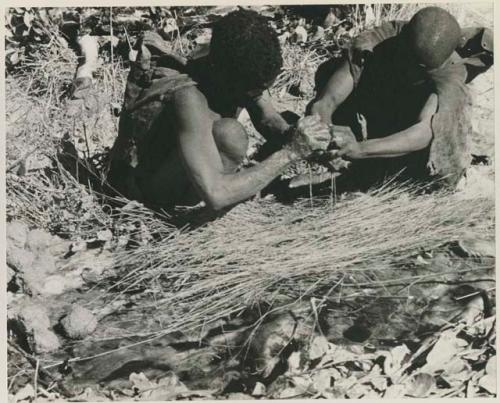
x=250, y=95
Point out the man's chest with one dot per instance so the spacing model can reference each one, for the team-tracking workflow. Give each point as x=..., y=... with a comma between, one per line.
x=390, y=95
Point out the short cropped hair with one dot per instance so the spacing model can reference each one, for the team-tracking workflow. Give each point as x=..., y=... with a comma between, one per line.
x=433, y=34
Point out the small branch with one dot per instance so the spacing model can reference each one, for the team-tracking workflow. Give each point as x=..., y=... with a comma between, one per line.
x=473, y=294
x=112, y=51
x=35, y=362
x=35, y=381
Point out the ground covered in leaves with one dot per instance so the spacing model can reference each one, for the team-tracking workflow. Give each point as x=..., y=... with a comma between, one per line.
x=110, y=301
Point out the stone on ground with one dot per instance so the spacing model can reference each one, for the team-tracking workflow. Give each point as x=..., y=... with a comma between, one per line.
x=79, y=323
x=33, y=322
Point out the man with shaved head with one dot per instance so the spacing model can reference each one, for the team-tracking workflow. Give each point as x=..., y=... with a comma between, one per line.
x=397, y=99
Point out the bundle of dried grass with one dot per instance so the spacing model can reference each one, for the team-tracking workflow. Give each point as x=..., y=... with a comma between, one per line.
x=262, y=251
x=55, y=201
x=299, y=66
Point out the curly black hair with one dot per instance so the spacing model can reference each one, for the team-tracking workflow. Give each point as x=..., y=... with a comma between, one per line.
x=246, y=48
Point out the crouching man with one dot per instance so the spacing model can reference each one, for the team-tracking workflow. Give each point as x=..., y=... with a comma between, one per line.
x=179, y=141
x=401, y=90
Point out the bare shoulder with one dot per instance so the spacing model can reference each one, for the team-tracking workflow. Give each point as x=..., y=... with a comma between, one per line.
x=189, y=98
x=191, y=111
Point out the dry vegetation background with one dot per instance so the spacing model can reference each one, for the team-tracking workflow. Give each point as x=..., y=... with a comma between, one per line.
x=87, y=280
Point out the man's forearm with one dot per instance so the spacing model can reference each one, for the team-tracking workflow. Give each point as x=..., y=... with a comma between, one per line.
x=415, y=138
x=236, y=187
x=266, y=120
x=325, y=108
x=272, y=127
x=339, y=86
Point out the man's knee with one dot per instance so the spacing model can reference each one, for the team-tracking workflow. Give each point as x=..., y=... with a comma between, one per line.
x=231, y=140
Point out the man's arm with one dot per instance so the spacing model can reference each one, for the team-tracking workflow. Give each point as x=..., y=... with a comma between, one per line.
x=204, y=166
x=266, y=120
x=338, y=88
x=414, y=138
x=344, y=79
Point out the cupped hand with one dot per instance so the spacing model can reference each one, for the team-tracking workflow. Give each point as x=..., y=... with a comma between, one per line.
x=311, y=135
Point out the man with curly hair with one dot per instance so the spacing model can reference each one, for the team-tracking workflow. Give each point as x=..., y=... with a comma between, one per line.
x=179, y=141
x=403, y=85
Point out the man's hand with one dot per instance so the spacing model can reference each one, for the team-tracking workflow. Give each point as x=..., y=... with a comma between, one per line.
x=309, y=136
x=414, y=138
x=347, y=145
x=429, y=109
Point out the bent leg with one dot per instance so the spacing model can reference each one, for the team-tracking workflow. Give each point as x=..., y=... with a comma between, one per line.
x=231, y=140
x=170, y=185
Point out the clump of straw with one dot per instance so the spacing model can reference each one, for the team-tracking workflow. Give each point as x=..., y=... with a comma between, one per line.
x=263, y=251
x=299, y=66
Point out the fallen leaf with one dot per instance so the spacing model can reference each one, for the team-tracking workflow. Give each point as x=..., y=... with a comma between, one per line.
x=446, y=348
x=170, y=25
x=339, y=354
x=372, y=394
x=376, y=370
x=454, y=366
x=379, y=382
x=476, y=376
x=140, y=382
x=132, y=55
x=491, y=366
x=259, y=390
x=364, y=366
x=358, y=390
x=294, y=362
x=345, y=383
x=470, y=390
x=14, y=58
x=173, y=381
x=27, y=19
x=334, y=373
x=473, y=247
x=394, y=361
x=105, y=235
x=489, y=383
x=486, y=325
x=396, y=391
x=318, y=348
x=302, y=383
x=26, y=392
x=333, y=394
x=458, y=379
x=322, y=380
x=472, y=354
x=474, y=310
x=289, y=393
x=421, y=261
x=355, y=349
x=420, y=385
x=270, y=365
